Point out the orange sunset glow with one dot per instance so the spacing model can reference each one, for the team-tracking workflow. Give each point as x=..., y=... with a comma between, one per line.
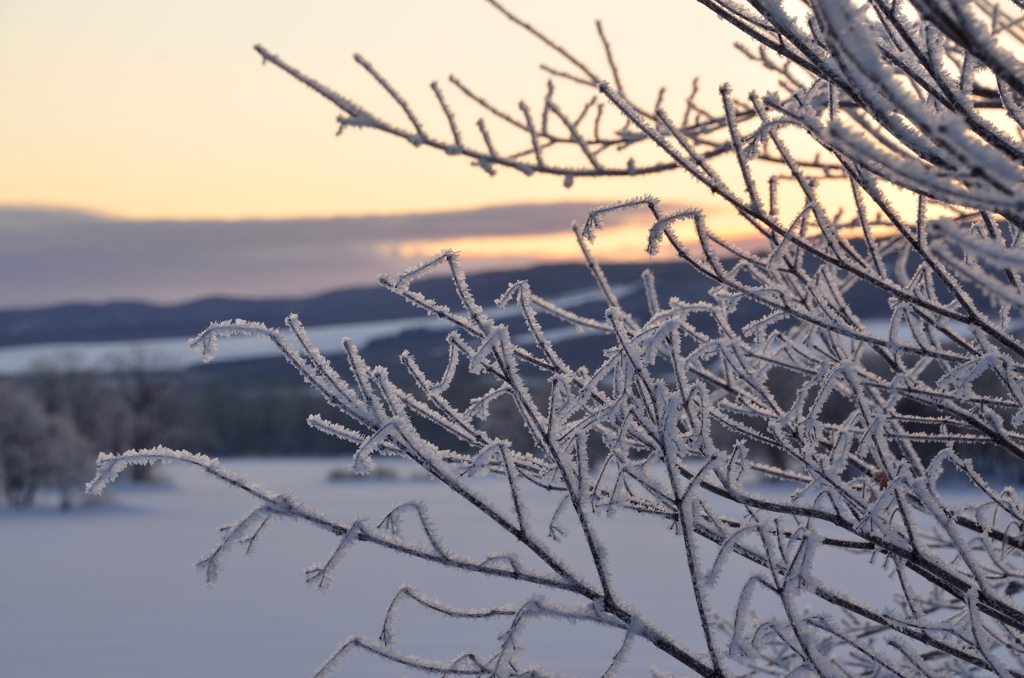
x=622, y=242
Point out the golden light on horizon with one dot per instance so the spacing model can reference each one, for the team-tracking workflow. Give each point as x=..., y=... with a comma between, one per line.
x=621, y=243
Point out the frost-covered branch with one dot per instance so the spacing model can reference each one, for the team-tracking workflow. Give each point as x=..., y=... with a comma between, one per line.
x=821, y=401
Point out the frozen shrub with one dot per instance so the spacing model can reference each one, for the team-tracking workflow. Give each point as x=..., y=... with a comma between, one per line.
x=889, y=162
x=38, y=448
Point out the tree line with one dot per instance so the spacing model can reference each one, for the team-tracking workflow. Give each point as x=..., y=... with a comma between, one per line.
x=57, y=418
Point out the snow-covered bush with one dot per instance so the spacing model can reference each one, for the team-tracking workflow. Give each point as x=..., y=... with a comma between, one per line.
x=57, y=418
x=38, y=448
x=889, y=162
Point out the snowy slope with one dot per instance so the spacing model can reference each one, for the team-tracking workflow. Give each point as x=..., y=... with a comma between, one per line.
x=108, y=591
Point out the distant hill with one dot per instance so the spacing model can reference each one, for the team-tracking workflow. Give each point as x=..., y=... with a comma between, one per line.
x=258, y=405
x=133, y=321
x=129, y=321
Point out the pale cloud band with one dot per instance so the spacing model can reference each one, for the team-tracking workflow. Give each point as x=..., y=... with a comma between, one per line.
x=51, y=257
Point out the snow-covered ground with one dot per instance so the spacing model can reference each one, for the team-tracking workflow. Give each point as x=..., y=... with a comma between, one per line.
x=109, y=591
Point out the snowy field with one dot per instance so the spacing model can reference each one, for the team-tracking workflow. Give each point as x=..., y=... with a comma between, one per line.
x=109, y=591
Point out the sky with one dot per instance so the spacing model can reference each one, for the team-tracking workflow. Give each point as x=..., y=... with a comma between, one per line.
x=141, y=111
